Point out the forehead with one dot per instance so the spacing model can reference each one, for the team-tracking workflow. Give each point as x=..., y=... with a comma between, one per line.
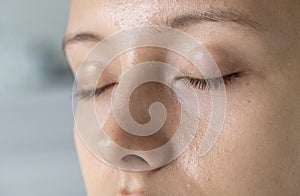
x=105, y=17
x=122, y=14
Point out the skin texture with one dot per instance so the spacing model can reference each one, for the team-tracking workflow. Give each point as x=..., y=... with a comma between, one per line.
x=258, y=151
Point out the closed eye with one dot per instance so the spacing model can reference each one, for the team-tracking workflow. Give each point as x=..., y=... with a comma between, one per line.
x=85, y=94
x=211, y=83
x=198, y=83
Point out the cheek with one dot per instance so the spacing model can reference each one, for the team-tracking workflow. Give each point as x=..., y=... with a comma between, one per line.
x=254, y=148
x=98, y=177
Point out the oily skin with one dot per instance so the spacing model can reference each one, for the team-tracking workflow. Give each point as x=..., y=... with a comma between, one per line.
x=258, y=151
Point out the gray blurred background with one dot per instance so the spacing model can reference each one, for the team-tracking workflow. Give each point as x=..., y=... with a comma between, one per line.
x=37, y=153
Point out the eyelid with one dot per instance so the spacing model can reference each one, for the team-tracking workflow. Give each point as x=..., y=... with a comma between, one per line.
x=235, y=74
x=83, y=93
x=202, y=83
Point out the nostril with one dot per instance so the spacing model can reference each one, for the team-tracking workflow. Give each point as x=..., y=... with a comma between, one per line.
x=135, y=161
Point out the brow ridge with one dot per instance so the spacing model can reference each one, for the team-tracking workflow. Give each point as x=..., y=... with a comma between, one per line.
x=214, y=15
x=79, y=37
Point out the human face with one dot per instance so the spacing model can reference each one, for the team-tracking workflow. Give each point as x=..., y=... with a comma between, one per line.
x=258, y=150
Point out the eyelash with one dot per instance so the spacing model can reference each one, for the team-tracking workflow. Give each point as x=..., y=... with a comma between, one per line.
x=197, y=83
x=85, y=94
x=212, y=83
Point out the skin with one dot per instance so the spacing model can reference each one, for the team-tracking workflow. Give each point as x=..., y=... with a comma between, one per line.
x=258, y=151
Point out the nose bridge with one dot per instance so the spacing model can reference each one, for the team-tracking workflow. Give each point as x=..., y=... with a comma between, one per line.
x=140, y=55
x=145, y=94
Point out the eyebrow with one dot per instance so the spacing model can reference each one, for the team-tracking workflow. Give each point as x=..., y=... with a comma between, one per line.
x=211, y=15
x=80, y=37
x=215, y=15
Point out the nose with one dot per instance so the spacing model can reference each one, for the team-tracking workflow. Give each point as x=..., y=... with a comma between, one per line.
x=140, y=100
